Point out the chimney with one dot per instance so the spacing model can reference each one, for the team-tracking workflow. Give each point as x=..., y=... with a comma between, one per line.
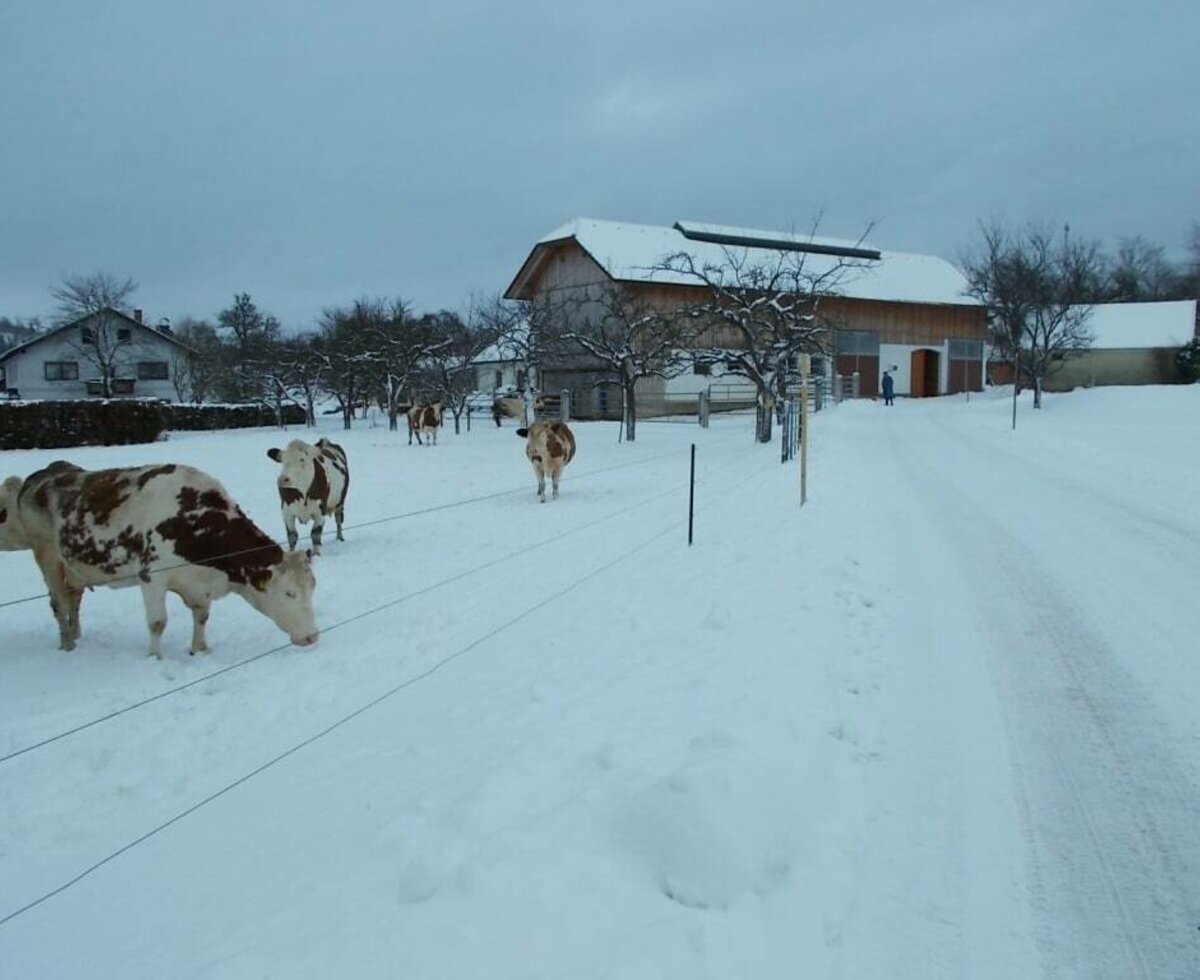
x=137, y=315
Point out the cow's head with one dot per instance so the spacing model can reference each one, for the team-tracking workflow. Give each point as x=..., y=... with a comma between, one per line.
x=12, y=537
x=298, y=461
x=287, y=598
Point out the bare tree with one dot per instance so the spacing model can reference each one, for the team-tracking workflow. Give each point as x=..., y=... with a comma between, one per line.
x=1140, y=272
x=343, y=343
x=196, y=370
x=761, y=313
x=400, y=343
x=106, y=339
x=452, y=362
x=251, y=337
x=631, y=338
x=528, y=333
x=1038, y=288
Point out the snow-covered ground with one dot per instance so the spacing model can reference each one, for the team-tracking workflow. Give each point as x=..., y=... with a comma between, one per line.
x=940, y=723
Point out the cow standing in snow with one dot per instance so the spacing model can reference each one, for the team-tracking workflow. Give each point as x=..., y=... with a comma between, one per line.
x=312, y=485
x=167, y=528
x=550, y=446
x=424, y=420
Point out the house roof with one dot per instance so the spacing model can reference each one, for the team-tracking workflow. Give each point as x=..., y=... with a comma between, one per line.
x=631, y=252
x=1125, y=326
x=33, y=341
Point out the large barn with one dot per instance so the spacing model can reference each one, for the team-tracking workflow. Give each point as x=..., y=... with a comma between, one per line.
x=895, y=311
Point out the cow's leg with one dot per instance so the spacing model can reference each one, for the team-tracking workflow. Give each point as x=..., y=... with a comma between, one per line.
x=199, y=604
x=75, y=598
x=62, y=600
x=541, y=478
x=555, y=473
x=340, y=515
x=289, y=522
x=154, y=594
x=317, y=531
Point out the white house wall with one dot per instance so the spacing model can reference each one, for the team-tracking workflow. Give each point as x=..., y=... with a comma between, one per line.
x=25, y=370
x=897, y=360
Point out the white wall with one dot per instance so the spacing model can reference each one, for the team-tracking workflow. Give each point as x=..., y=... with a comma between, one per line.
x=25, y=370
x=485, y=374
x=897, y=358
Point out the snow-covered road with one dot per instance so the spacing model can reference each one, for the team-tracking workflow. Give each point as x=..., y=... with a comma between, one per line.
x=941, y=723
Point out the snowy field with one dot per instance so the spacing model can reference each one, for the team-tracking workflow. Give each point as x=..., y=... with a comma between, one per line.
x=941, y=723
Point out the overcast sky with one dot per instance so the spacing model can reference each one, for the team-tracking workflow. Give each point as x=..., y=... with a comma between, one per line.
x=310, y=153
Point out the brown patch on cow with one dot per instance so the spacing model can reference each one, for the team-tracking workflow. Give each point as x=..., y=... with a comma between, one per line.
x=318, y=490
x=154, y=471
x=102, y=493
x=221, y=537
x=290, y=495
x=41, y=497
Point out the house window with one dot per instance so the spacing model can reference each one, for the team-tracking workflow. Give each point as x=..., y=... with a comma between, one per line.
x=152, y=371
x=87, y=335
x=122, y=386
x=499, y=379
x=966, y=350
x=704, y=369
x=61, y=370
x=124, y=335
x=520, y=379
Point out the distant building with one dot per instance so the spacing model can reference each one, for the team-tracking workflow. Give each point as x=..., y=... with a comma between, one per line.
x=1132, y=344
x=903, y=312
x=79, y=359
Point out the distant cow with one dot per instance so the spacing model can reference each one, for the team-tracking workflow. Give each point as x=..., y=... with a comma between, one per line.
x=550, y=446
x=424, y=419
x=168, y=529
x=312, y=485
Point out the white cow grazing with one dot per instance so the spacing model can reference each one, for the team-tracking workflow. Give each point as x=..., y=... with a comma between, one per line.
x=166, y=529
x=550, y=446
x=312, y=484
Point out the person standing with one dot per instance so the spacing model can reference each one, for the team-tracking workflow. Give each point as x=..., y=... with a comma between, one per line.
x=889, y=387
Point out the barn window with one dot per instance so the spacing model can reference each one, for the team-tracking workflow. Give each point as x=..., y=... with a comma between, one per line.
x=861, y=342
x=62, y=370
x=702, y=369
x=966, y=350
x=124, y=335
x=152, y=371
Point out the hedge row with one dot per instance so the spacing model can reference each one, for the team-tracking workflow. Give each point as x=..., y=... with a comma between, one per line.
x=193, y=417
x=60, y=424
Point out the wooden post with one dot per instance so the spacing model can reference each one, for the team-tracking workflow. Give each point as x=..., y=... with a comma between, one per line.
x=805, y=365
x=692, y=495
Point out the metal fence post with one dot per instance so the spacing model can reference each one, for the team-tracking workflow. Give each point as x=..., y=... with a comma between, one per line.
x=855, y=385
x=704, y=409
x=692, y=495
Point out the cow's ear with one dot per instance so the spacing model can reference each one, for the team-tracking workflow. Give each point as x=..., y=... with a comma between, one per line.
x=308, y=554
x=522, y=433
x=276, y=455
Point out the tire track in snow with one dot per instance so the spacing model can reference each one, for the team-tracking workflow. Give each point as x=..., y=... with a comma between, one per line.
x=1112, y=819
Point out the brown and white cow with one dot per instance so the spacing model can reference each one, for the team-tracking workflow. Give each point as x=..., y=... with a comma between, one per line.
x=550, y=446
x=166, y=528
x=312, y=485
x=424, y=420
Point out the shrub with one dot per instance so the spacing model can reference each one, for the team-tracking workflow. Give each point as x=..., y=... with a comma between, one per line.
x=58, y=424
x=1187, y=360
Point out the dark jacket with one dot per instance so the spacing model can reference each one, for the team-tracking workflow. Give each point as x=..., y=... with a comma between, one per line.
x=888, y=386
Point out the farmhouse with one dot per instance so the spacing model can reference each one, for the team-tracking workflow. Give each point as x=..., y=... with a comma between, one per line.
x=105, y=354
x=1132, y=344
x=893, y=310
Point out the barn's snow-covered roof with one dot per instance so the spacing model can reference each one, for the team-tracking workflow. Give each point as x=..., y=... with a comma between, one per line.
x=1127, y=326
x=631, y=252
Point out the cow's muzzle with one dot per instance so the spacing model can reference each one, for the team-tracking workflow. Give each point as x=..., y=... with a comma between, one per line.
x=306, y=641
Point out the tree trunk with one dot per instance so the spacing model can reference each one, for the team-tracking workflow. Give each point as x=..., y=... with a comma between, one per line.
x=763, y=420
x=1037, y=391
x=630, y=420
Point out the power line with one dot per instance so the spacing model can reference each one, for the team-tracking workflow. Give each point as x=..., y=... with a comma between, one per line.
x=409, y=682
x=362, y=615
x=353, y=527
